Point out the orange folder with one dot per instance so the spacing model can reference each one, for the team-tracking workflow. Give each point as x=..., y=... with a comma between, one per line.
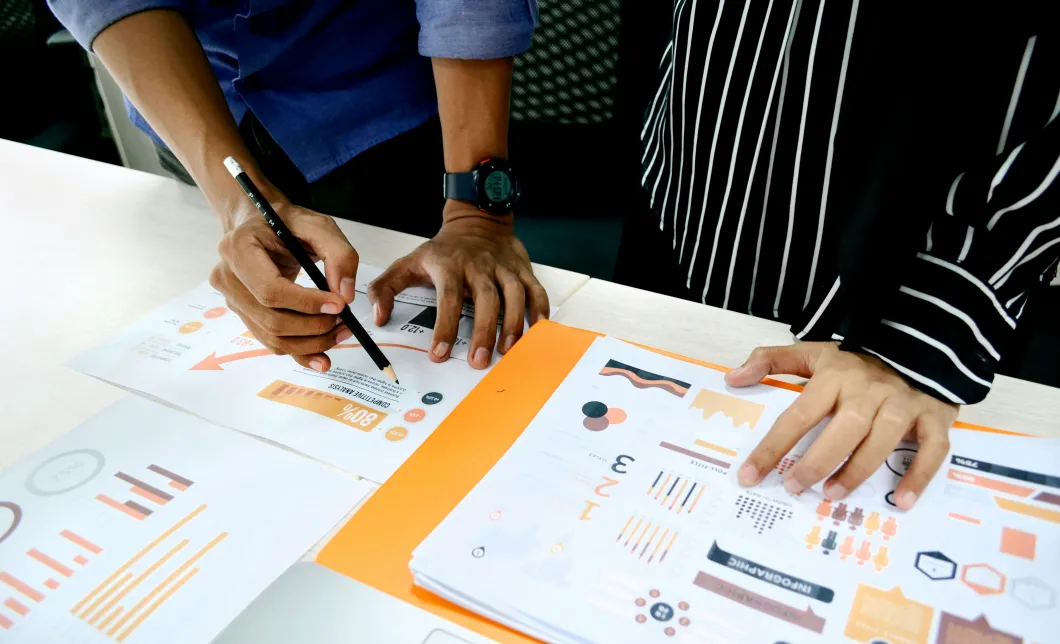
x=376, y=545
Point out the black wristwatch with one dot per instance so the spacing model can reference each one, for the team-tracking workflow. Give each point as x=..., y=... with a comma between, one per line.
x=492, y=186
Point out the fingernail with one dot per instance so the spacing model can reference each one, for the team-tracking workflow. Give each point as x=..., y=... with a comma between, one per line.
x=738, y=370
x=377, y=314
x=343, y=335
x=441, y=350
x=317, y=365
x=793, y=486
x=330, y=308
x=482, y=356
x=748, y=475
x=907, y=500
x=509, y=343
x=835, y=491
x=348, y=288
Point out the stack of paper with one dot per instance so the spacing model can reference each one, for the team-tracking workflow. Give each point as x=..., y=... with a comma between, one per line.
x=616, y=517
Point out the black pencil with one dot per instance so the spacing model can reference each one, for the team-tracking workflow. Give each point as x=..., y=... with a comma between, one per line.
x=295, y=247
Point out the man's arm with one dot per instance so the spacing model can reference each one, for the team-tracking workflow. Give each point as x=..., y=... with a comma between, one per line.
x=157, y=60
x=471, y=43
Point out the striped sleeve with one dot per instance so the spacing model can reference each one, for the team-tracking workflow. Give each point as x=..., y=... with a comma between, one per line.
x=992, y=240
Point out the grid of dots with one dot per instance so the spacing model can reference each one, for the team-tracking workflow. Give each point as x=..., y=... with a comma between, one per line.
x=786, y=463
x=763, y=515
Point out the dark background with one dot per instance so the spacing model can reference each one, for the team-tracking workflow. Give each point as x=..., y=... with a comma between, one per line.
x=575, y=141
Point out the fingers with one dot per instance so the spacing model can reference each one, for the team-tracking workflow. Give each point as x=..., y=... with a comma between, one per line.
x=933, y=437
x=535, y=295
x=382, y=291
x=298, y=346
x=849, y=426
x=450, y=292
x=487, y=308
x=514, y=308
x=317, y=362
x=274, y=322
x=255, y=269
x=797, y=359
x=815, y=402
x=892, y=420
x=324, y=239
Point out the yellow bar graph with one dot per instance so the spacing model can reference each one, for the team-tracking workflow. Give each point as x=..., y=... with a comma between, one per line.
x=165, y=582
x=162, y=537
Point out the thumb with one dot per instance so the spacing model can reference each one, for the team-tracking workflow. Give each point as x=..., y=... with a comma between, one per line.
x=795, y=359
x=382, y=291
x=324, y=239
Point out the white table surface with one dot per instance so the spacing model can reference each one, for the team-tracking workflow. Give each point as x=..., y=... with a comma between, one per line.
x=89, y=248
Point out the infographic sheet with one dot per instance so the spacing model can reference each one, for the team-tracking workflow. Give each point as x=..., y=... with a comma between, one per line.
x=617, y=517
x=195, y=354
x=148, y=525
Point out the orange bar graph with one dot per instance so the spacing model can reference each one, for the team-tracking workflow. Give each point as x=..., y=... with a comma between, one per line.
x=658, y=545
x=81, y=541
x=16, y=605
x=162, y=537
x=80, y=560
x=179, y=486
x=139, y=579
x=693, y=506
x=51, y=563
x=716, y=448
x=667, y=481
x=110, y=591
x=962, y=517
x=678, y=495
x=120, y=507
x=165, y=582
x=1027, y=509
x=110, y=618
x=158, y=602
x=51, y=583
x=5, y=623
x=989, y=483
x=154, y=498
x=21, y=587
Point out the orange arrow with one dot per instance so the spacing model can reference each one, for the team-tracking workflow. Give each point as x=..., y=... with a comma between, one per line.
x=213, y=363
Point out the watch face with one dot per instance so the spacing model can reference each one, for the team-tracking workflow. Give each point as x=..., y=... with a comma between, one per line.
x=498, y=186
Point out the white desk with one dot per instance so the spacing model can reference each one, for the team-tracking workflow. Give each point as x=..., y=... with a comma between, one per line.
x=91, y=247
x=726, y=338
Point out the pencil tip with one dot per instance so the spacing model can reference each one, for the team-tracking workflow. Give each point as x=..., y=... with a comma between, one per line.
x=389, y=371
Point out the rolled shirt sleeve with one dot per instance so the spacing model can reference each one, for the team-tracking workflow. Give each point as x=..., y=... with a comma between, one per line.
x=475, y=29
x=85, y=19
x=991, y=243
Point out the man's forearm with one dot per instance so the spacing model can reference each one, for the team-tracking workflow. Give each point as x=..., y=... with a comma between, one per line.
x=159, y=64
x=473, y=105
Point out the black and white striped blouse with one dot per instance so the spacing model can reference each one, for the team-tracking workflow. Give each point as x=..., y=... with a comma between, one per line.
x=875, y=173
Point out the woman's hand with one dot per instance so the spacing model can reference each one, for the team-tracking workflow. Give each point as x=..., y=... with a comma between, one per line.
x=872, y=408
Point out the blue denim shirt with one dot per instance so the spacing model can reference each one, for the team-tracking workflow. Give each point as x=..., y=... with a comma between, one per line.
x=328, y=78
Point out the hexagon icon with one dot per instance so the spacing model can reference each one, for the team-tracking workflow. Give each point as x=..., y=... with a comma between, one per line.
x=1033, y=593
x=983, y=579
x=937, y=566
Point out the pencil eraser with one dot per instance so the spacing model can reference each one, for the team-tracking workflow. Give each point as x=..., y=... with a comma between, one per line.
x=233, y=166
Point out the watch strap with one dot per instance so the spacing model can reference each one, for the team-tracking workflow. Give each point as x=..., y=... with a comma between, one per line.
x=461, y=185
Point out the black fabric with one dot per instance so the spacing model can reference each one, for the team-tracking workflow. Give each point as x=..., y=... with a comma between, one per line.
x=395, y=185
